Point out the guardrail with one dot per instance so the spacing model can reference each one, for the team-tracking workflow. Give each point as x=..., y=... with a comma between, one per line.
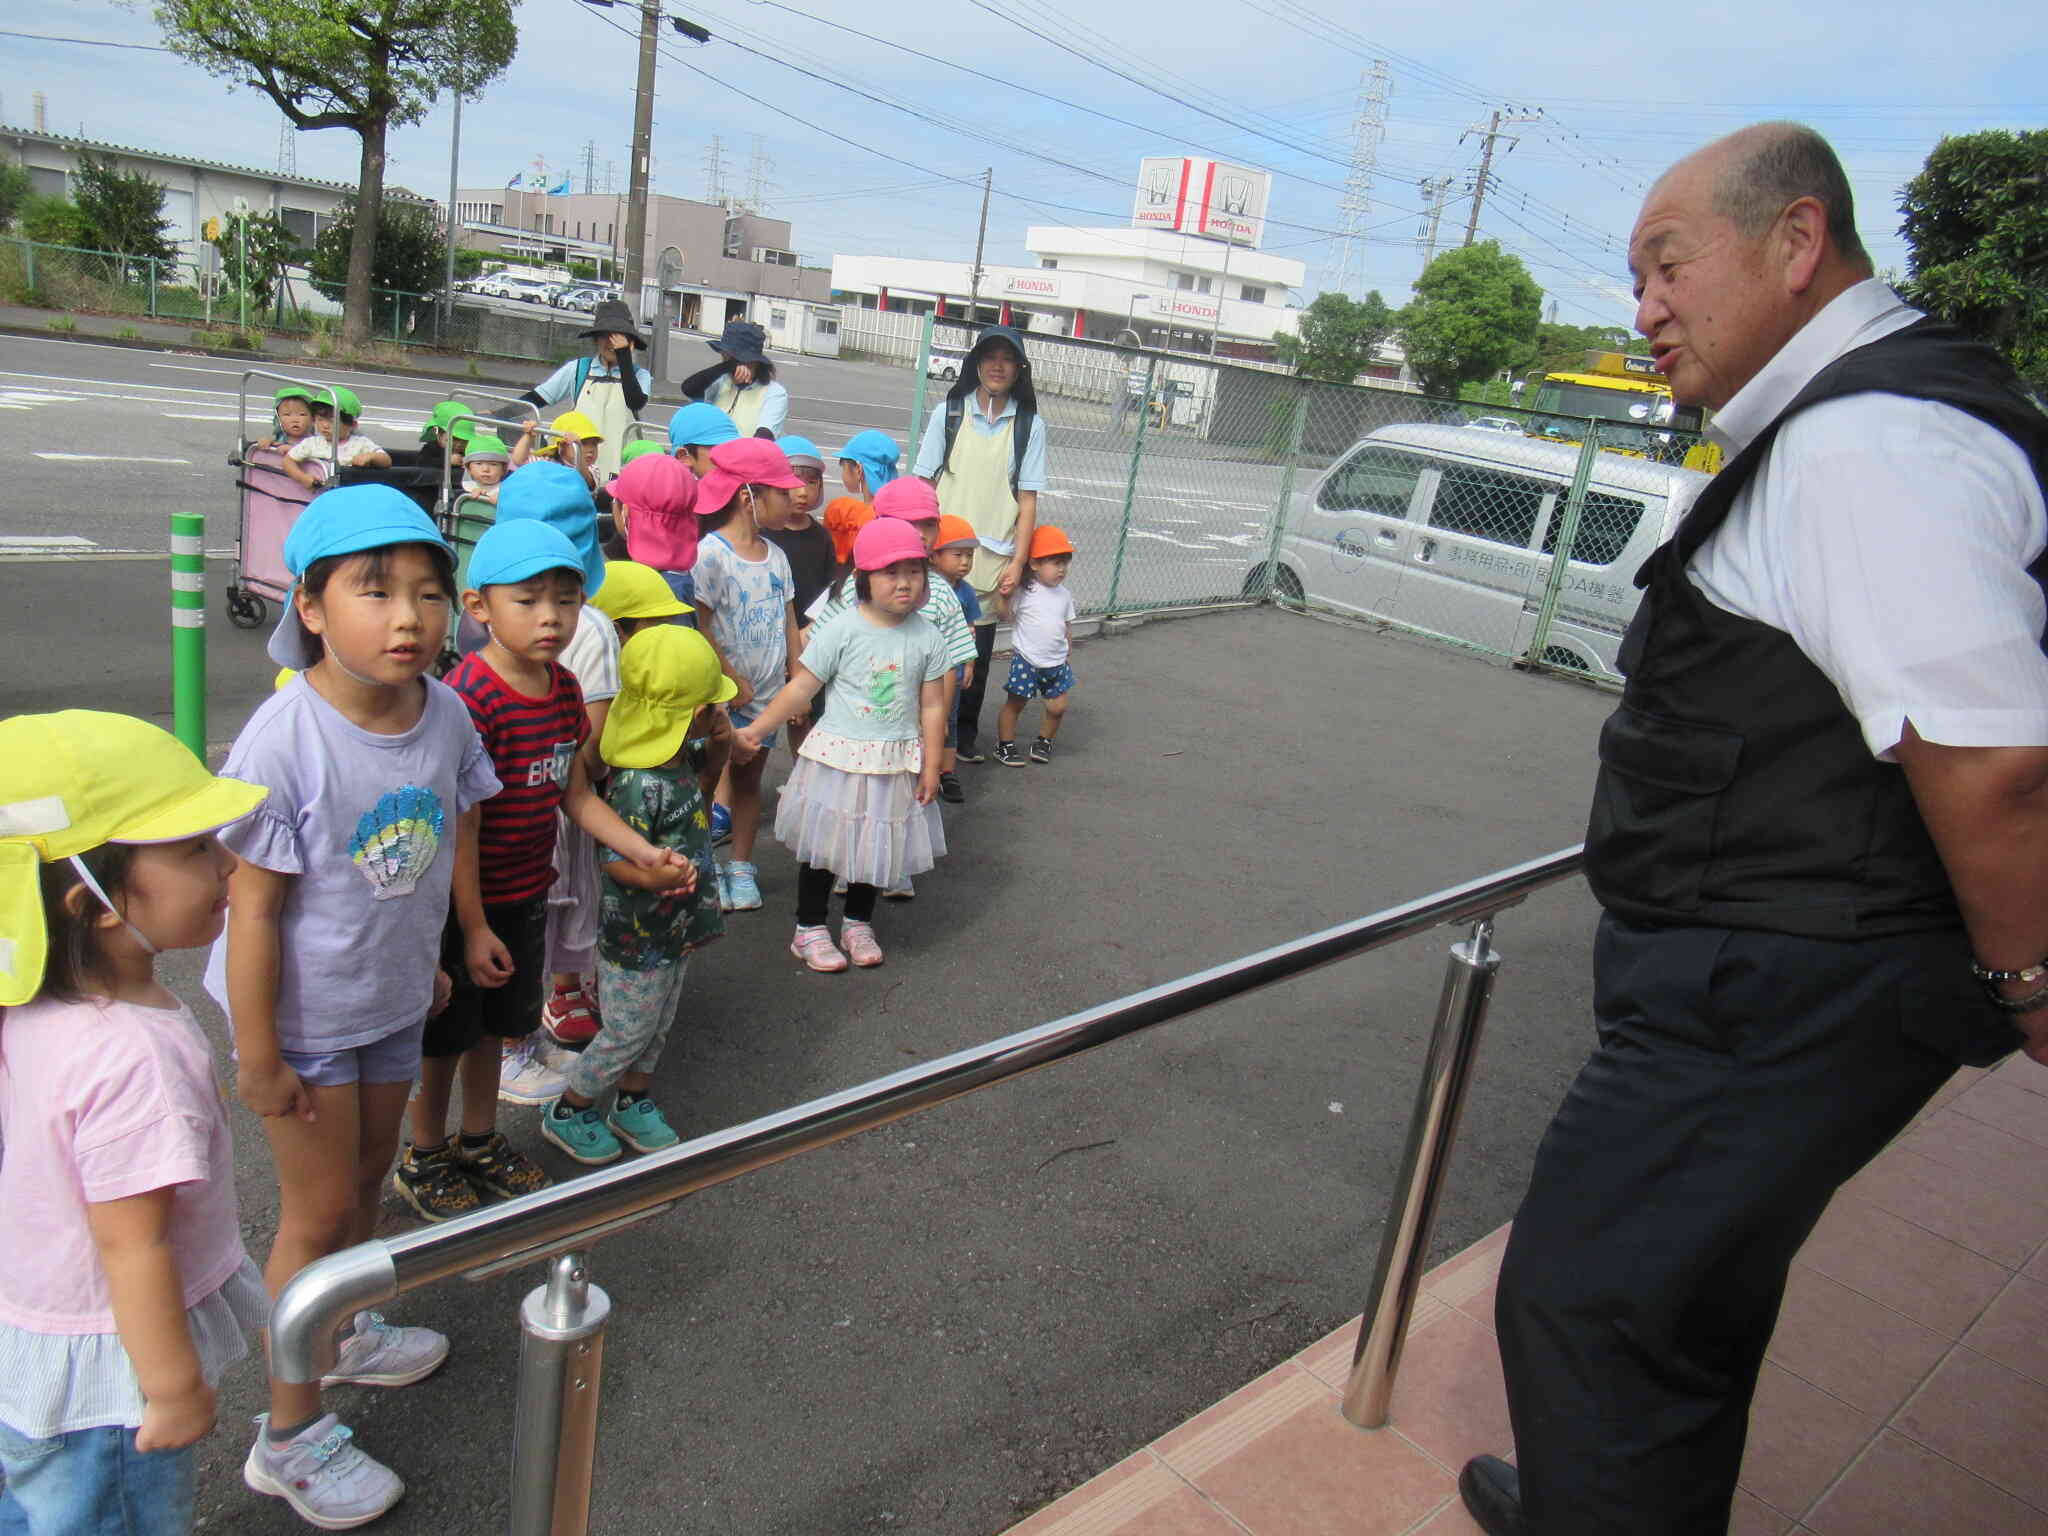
x=562, y=1323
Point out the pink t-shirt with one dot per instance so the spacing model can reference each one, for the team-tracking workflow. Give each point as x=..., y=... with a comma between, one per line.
x=99, y=1101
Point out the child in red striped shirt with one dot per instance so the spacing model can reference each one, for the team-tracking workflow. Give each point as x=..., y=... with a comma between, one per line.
x=528, y=581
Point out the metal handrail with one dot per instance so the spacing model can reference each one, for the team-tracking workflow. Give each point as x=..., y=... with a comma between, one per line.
x=558, y=1223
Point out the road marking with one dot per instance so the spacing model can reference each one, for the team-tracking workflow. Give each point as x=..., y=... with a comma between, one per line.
x=43, y=543
x=310, y=374
x=194, y=416
x=107, y=458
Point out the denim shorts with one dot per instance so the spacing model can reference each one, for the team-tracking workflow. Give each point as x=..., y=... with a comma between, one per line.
x=94, y=1481
x=1025, y=680
x=393, y=1059
x=742, y=717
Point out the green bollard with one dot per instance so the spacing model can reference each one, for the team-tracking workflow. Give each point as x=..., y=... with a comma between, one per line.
x=188, y=630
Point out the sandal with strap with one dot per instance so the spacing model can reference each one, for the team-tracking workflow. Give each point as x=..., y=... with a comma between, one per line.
x=815, y=948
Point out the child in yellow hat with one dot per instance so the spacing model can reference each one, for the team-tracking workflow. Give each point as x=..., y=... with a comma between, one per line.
x=669, y=682
x=128, y=1291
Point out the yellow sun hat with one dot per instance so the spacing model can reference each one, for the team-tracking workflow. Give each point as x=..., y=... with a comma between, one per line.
x=635, y=591
x=72, y=781
x=666, y=674
x=577, y=425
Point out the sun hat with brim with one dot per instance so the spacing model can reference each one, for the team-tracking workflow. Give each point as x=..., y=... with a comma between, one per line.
x=743, y=461
x=342, y=398
x=955, y=532
x=486, y=450
x=443, y=418
x=577, y=425
x=801, y=450
x=884, y=542
x=1047, y=541
x=554, y=494
x=636, y=591
x=646, y=445
x=911, y=499
x=72, y=781
x=344, y=521
x=742, y=342
x=519, y=551
x=666, y=674
x=700, y=424
x=659, y=494
x=612, y=317
x=293, y=392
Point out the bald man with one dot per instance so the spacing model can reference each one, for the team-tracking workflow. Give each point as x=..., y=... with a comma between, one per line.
x=1819, y=835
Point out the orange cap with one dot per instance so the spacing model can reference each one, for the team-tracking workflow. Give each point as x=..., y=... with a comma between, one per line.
x=1047, y=541
x=954, y=530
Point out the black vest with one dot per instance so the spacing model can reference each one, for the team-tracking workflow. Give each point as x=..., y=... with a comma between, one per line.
x=1735, y=788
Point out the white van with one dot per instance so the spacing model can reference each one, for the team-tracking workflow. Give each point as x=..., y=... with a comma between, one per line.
x=1451, y=532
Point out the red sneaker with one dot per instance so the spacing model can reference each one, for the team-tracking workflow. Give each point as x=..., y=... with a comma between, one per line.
x=571, y=1018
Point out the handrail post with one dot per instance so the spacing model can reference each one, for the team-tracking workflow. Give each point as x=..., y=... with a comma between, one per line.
x=1432, y=1128
x=554, y=1434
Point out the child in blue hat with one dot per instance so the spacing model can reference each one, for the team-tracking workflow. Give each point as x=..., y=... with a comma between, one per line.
x=527, y=581
x=331, y=959
x=695, y=430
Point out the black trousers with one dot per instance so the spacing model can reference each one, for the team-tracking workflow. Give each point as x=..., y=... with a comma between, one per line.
x=1739, y=1079
x=970, y=696
x=814, y=898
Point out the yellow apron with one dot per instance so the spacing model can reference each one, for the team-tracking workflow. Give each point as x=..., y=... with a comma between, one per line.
x=976, y=486
x=742, y=405
x=604, y=402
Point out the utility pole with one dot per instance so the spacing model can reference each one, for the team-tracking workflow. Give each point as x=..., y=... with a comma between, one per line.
x=980, y=240
x=1491, y=133
x=1216, y=320
x=454, y=224
x=643, y=148
x=1434, y=190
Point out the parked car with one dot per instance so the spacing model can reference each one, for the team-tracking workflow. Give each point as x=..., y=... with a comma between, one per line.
x=1497, y=424
x=531, y=290
x=944, y=364
x=580, y=297
x=1442, y=530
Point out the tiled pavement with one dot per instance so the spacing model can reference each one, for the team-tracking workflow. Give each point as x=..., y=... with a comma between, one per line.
x=1905, y=1394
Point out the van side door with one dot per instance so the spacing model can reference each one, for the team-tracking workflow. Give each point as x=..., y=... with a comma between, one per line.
x=1351, y=538
x=1472, y=564
x=1597, y=595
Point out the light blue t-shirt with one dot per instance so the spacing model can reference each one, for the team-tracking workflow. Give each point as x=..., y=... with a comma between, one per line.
x=876, y=674
x=931, y=452
x=941, y=607
x=745, y=602
x=556, y=387
x=366, y=826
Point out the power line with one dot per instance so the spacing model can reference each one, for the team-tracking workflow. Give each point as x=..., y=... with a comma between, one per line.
x=89, y=42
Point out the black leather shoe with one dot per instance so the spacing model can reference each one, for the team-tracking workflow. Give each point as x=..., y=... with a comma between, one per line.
x=1492, y=1491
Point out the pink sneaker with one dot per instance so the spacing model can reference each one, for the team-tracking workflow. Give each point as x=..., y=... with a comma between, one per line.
x=815, y=948
x=859, y=939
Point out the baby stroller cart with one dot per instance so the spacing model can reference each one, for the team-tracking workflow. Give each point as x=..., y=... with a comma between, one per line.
x=267, y=503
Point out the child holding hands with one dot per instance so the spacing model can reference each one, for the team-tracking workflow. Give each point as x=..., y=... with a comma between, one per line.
x=860, y=803
x=119, y=1170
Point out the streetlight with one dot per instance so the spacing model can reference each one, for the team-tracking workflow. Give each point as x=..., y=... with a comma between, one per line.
x=1130, y=314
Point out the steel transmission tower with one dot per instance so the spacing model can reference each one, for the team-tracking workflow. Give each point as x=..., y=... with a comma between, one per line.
x=758, y=167
x=287, y=148
x=1368, y=128
x=714, y=171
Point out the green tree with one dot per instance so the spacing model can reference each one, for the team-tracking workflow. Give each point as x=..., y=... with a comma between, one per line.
x=409, y=255
x=17, y=189
x=1337, y=338
x=1563, y=348
x=123, y=209
x=1976, y=230
x=1475, y=311
x=368, y=66
x=270, y=249
x=55, y=221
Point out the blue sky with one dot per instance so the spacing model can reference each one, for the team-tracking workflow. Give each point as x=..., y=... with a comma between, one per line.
x=1616, y=93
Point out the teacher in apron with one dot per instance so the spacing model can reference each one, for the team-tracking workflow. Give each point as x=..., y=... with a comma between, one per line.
x=609, y=386
x=742, y=382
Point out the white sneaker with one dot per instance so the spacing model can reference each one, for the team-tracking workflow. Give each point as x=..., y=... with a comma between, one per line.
x=524, y=1078
x=326, y=1479
x=551, y=1053
x=378, y=1354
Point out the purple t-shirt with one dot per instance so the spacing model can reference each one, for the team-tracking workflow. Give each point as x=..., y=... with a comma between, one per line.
x=366, y=824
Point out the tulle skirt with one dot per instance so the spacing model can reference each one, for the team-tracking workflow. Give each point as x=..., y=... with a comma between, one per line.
x=867, y=828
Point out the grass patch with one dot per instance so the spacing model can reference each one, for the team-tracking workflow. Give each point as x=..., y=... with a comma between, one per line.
x=229, y=340
x=63, y=323
x=127, y=333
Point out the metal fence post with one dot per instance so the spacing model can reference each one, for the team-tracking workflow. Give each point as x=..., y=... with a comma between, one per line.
x=554, y=1428
x=1565, y=529
x=152, y=287
x=1296, y=430
x=28, y=265
x=1123, y=532
x=188, y=630
x=1432, y=1128
x=924, y=376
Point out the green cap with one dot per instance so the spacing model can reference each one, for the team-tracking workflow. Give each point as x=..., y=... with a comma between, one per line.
x=644, y=446
x=293, y=392
x=444, y=413
x=342, y=398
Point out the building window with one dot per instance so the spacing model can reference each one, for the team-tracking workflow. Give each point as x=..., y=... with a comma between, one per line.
x=302, y=224
x=1184, y=280
x=778, y=318
x=1049, y=263
x=826, y=327
x=1252, y=295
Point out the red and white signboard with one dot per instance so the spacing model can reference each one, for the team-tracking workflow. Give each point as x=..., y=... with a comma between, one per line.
x=1184, y=306
x=1047, y=287
x=1202, y=197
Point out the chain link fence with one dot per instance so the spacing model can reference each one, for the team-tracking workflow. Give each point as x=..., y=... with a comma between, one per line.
x=1188, y=482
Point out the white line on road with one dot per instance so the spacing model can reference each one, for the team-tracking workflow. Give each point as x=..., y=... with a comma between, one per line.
x=44, y=541
x=193, y=416
x=107, y=458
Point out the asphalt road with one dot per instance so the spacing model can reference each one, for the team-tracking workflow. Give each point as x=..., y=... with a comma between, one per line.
x=941, y=1325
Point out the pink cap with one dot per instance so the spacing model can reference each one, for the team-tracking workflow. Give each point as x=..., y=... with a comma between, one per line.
x=743, y=461
x=659, y=494
x=885, y=541
x=912, y=499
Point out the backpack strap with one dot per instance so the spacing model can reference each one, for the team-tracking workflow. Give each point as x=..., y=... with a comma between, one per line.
x=956, y=412
x=582, y=378
x=1020, y=439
